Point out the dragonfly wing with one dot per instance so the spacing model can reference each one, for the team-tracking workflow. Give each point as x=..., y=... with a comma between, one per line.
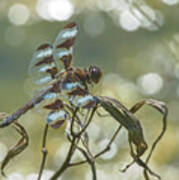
x=53, y=110
x=48, y=98
x=81, y=98
x=42, y=68
x=57, y=114
x=63, y=45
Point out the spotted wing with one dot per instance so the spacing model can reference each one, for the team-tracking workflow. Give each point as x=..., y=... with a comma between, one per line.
x=77, y=96
x=57, y=114
x=81, y=98
x=63, y=45
x=42, y=68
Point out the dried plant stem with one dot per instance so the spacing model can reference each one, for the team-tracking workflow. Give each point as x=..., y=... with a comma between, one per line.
x=91, y=162
x=161, y=107
x=44, y=151
x=70, y=151
x=107, y=148
x=88, y=122
x=74, y=141
x=77, y=132
x=66, y=162
x=18, y=147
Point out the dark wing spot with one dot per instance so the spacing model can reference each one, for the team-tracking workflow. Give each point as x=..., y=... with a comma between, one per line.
x=45, y=60
x=67, y=44
x=90, y=104
x=67, y=60
x=78, y=92
x=43, y=46
x=53, y=71
x=58, y=104
x=57, y=124
x=70, y=25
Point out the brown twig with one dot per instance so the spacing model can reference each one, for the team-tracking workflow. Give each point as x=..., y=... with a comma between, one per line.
x=65, y=165
x=134, y=128
x=107, y=148
x=18, y=148
x=71, y=150
x=120, y=113
x=44, y=152
x=161, y=107
x=90, y=161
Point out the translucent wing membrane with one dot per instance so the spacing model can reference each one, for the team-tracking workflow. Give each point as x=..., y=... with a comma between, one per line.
x=57, y=115
x=53, y=110
x=81, y=98
x=63, y=45
x=42, y=68
x=72, y=89
x=47, y=59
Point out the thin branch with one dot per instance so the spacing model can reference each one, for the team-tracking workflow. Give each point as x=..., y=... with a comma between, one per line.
x=71, y=151
x=44, y=151
x=137, y=159
x=66, y=162
x=88, y=122
x=161, y=107
x=85, y=140
x=73, y=121
x=90, y=161
x=107, y=148
x=18, y=148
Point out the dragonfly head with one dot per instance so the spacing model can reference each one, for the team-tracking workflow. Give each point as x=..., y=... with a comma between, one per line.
x=95, y=73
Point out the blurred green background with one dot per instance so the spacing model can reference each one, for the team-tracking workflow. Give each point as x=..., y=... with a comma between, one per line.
x=135, y=42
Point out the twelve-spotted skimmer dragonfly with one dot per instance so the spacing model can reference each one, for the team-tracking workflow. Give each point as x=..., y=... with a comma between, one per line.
x=65, y=86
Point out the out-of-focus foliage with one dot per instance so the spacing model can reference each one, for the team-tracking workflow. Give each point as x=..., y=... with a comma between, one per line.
x=135, y=42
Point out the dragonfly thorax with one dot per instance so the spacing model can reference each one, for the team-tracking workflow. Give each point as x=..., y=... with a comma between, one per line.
x=76, y=77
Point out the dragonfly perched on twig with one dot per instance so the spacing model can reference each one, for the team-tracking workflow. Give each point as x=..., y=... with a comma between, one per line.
x=70, y=82
x=64, y=92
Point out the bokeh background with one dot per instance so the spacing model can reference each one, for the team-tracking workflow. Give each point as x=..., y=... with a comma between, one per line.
x=135, y=42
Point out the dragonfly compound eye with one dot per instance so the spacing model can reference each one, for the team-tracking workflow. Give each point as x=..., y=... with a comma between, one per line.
x=95, y=73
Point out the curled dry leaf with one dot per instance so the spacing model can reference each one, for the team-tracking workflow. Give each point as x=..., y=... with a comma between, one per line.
x=17, y=148
x=135, y=132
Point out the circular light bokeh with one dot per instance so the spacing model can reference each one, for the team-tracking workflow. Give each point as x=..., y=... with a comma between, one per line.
x=18, y=14
x=128, y=21
x=150, y=83
x=55, y=10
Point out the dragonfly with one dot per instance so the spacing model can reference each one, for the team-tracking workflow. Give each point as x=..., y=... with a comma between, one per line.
x=63, y=87
x=61, y=84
